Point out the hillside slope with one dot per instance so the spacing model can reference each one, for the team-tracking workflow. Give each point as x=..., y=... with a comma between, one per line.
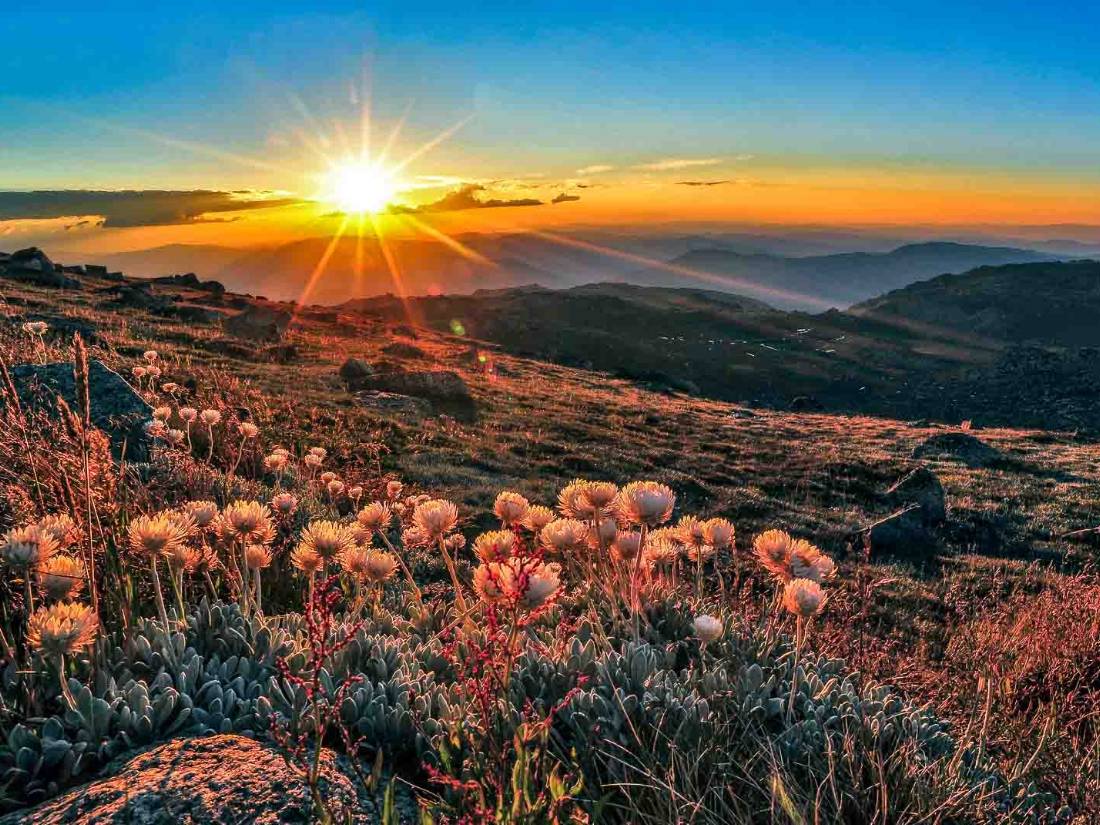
x=1050, y=303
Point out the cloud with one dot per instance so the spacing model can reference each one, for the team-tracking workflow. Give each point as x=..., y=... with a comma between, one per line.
x=670, y=164
x=134, y=207
x=564, y=197
x=595, y=169
x=465, y=197
x=703, y=182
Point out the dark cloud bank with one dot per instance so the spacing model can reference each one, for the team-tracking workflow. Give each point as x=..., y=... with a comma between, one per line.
x=133, y=207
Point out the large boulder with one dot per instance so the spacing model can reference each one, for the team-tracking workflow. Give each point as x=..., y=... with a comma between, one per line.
x=390, y=404
x=355, y=373
x=921, y=487
x=959, y=446
x=116, y=408
x=445, y=389
x=259, y=323
x=34, y=266
x=216, y=779
x=911, y=531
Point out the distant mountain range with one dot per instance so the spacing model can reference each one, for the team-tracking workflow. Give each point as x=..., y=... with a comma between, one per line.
x=1015, y=345
x=731, y=262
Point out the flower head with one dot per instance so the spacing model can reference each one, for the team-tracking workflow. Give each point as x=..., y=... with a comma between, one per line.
x=537, y=517
x=210, y=417
x=160, y=534
x=527, y=584
x=803, y=597
x=284, y=504
x=62, y=628
x=328, y=476
x=564, y=535
x=808, y=562
x=646, y=502
x=61, y=577
x=435, y=518
x=627, y=545
x=327, y=539
x=162, y=413
x=275, y=462
x=257, y=556
x=150, y=355
x=60, y=527
x=496, y=545
x=691, y=531
x=246, y=521
x=188, y=414
x=138, y=372
x=379, y=566
x=603, y=533
x=26, y=547
x=335, y=487
x=596, y=497
x=312, y=461
x=306, y=559
x=202, y=513
x=393, y=489
x=320, y=452
x=510, y=508
x=773, y=551
x=375, y=516
x=719, y=532
x=248, y=429
x=35, y=327
x=707, y=628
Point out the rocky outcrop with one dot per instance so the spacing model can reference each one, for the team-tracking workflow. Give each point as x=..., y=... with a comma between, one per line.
x=190, y=280
x=445, y=389
x=391, y=404
x=115, y=407
x=139, y=295
x=921, y=487
x=960, y=446
x=403, y=350
x=33, y=266
x=216, y=779
x=259, y=323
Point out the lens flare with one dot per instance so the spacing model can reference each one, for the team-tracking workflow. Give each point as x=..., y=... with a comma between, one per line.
x=360, y=186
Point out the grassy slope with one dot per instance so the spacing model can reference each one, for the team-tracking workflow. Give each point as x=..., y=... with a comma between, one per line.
x=541, y=424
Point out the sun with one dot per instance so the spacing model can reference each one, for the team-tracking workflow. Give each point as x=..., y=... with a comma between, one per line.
x=357, y=186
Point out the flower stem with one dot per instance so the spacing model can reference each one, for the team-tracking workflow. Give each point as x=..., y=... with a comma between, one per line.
x=158, y=594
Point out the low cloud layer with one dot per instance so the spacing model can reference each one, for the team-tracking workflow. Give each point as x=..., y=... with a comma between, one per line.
x=133, y=207
x=672, y=164
x=467, y=197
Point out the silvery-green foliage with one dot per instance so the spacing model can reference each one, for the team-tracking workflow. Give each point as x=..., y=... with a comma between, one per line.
x=219, y=675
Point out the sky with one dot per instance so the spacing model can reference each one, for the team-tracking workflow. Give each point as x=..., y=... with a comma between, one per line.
x=774, y=112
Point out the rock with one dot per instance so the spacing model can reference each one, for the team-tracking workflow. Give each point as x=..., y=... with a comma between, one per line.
x=903, y=534
x=95, y=270
x=281, y=353
x=920, y=487
x=392, y=404
x=445, y=389
x=139, y=296
x=193, y=314
x=31, y=259
x=403, y=349
x=806, y=403
x=962, y=446
x=259, y=323
x=31, y=265
x=191, y=281
x=116, y=408
x=355, y=372
x=215, y=779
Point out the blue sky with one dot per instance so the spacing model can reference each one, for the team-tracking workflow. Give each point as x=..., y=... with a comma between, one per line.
x=982, y=88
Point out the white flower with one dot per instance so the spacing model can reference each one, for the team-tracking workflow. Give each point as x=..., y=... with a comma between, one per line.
x=707, y=628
